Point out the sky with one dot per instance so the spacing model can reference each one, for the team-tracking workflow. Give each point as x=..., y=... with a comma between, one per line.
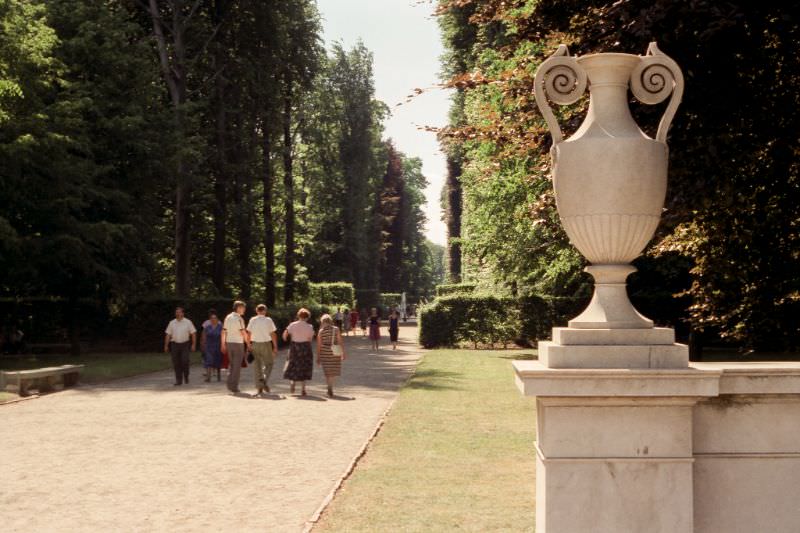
x=404, y=38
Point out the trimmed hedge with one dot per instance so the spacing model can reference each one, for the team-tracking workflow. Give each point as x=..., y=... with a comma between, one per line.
x=390, y=299
x=137, y=325
x=50, y=319
x=487, y=319
x=448, y=289
x=145, y=320
x=476, y=319
x=334, y=293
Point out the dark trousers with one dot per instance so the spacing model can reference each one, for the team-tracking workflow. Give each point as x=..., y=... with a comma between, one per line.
x=180, y=360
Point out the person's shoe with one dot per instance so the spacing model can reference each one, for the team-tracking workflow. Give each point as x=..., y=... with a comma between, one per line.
x=260, y=390
x=266, y=389
x=291, y=388
x=303, y=393
x=330, y=392
x=176, y=384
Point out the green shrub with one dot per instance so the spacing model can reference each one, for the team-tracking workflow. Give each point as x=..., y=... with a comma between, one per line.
x=448, y=289
x=339, y=293
x=540, y=314
x=491, y=320
x=143, y=322
x=476, y=319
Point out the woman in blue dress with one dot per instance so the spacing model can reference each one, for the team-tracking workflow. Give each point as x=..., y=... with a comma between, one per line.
x=210, y=344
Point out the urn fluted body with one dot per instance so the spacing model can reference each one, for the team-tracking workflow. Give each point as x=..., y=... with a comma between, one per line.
x=609, y=177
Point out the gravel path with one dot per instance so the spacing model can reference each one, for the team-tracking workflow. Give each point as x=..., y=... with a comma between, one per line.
x=141, y=455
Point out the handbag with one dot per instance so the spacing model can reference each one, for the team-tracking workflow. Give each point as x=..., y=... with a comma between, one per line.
x=250, y=357
x=336, y=349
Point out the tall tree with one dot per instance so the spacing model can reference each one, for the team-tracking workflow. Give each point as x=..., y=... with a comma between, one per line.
x=75, y=158
x=219, y=12
x=172, y=21
x=392, y=221
x=301, y=60
x=460, y=34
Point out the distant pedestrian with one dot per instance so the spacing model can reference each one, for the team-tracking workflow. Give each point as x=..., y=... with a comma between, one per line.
x=330, y=351
x=353, y=321
x=180, y=339
x=211, y=345
x=301, y=357
x=235, y=341
x=264, y=342
x=394, y=329
x=345, y=321
x=338, y=318
x=374, y=328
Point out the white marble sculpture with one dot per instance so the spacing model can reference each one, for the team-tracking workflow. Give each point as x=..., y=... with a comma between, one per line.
x=610, y=178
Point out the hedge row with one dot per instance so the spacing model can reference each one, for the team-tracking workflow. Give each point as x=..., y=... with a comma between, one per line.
x=452, y=320
x=136, y=325
x=390, y=299
x=448, y=289
x=145, y=320
x=489, y=320
x=334, y=293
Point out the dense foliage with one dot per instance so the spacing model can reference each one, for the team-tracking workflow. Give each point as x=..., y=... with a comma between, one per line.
x=204, y=147
x=336, y=293
x=448, y=289
x=730, y=240
x=487, y=319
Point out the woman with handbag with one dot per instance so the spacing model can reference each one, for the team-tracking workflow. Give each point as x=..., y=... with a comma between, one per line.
x=300, y=365
x=330, y=351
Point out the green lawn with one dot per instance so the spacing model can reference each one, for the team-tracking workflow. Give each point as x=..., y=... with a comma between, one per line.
x=100, y=366
x=456, y=453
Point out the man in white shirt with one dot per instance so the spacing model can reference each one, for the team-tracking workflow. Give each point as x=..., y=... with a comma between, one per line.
x=179, y=337
x=264, y=345
x=234, y=341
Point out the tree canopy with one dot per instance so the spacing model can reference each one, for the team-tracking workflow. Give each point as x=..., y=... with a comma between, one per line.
x=196, y=148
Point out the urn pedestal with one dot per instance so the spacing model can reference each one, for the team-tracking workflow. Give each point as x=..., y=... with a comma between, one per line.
x=631, y=437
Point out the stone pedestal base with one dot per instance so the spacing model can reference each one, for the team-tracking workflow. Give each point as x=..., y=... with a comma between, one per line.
x=705, y=448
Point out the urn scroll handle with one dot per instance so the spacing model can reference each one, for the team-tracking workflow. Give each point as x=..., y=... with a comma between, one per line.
x=655, y=77
x=563, y=80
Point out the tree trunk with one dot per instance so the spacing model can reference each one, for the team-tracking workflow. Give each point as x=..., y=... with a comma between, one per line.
x=74, y=327
x=288, y=184
x=220, y=175
x=453, y=216
x=245, y=236
x=173, y=67
x=269, y=230
x=182, y=222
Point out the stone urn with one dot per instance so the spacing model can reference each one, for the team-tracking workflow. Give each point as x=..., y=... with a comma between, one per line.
x=610, y=178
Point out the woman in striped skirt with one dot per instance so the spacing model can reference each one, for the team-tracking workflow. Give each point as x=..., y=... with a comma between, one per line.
x=330, y=336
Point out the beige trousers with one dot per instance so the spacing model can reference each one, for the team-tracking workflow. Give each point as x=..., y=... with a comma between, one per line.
x=262, y=364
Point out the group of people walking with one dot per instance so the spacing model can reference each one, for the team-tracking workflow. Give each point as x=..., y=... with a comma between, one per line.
x=370, y=324
x=232, y=344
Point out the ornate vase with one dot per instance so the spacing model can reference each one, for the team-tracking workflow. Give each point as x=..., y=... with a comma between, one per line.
x=610, y=178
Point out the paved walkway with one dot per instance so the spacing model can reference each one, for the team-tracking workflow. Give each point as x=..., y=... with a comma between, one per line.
x=141, y=455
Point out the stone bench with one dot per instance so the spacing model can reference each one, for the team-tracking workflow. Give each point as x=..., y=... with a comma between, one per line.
x=42, y=379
